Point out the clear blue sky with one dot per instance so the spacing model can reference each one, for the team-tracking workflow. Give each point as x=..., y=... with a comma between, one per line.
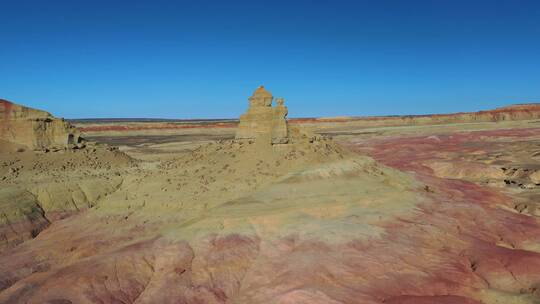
x=203, y=59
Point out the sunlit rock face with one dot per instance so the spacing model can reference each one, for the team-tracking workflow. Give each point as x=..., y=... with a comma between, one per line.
x=262, y=122
x=35, y=129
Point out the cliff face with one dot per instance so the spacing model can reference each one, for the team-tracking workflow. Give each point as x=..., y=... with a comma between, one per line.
x=33, y=128
x=513, y=112
x=509, y=113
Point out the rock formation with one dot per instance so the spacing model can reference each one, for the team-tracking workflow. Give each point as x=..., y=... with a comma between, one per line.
x=304, y=222
x=262, y=122
x=35, y=129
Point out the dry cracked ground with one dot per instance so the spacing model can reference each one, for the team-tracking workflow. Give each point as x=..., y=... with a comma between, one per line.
x=446, y=214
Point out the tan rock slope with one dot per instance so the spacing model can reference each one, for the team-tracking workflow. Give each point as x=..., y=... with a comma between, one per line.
x=35, y=129
x=43, y=178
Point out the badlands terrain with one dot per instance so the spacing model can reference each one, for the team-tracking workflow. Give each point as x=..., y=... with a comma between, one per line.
x=417, y=209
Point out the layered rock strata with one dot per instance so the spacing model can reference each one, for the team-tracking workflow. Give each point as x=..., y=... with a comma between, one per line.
x=35, y=129
x=262, y=121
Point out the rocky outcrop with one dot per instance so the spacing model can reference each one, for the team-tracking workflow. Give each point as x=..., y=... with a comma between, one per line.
x=535, y=177
x=24, y=213
x=35, y=129
x=37, y=189
x=262, y=122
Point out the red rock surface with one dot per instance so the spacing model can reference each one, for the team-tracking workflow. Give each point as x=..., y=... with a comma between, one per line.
x=483, y=242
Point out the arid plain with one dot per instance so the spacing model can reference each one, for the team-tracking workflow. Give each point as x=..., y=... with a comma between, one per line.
x=417, y=209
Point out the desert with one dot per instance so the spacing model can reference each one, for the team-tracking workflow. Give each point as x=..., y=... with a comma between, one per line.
x=270, y=152
x=428, y=209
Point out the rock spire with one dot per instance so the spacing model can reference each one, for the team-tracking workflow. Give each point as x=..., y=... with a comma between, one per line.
x=262, y=121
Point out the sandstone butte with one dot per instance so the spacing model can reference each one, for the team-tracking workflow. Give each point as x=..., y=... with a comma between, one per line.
x=262, y=121
x=276, y=215
x=35, y=129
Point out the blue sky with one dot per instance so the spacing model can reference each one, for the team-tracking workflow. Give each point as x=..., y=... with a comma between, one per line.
x=203, y=59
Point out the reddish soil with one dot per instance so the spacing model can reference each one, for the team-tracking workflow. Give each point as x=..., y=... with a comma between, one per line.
x=470, y=238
